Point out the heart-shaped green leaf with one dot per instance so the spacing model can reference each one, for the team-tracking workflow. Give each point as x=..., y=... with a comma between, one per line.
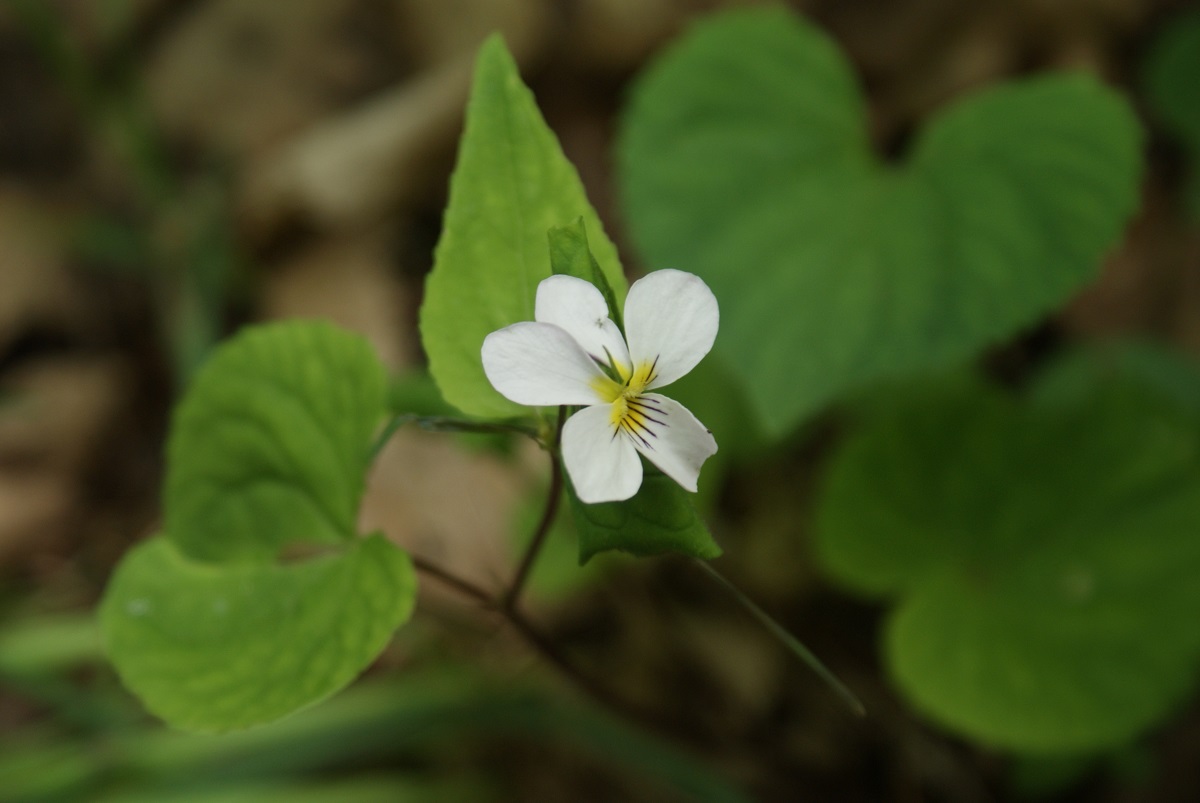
x=1042, y=553
x=269, y=446
x=268, y=450
x=219, y=647
x=658, y=519
x=744, y=158
x=510, y=186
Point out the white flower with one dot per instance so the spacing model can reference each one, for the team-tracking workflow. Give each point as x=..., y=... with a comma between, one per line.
x=574, y=354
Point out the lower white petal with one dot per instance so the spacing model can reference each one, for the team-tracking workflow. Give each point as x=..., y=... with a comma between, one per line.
x=603, y=465
x=539, y=364
x=673, y=439
x=579, y=307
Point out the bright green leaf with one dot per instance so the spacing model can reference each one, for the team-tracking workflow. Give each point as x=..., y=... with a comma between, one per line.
x=510, y=186
x=214, y=648
x=658, y=519
x=745, y=158
x=268, y=448
x=1042, y=554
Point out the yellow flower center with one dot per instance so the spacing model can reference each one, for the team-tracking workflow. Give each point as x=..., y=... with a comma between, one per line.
x=630, y=412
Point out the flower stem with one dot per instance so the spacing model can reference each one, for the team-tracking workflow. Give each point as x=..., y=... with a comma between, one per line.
x=791, y=642
x=513, y=595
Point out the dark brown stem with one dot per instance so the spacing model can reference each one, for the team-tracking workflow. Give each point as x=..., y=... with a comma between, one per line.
x=453, y=580
x=513, y=595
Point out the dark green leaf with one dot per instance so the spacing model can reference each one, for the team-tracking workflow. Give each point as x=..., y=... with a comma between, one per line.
x=1042, y=555
x=570, y=255
x=1173, y=93
x=658, y=519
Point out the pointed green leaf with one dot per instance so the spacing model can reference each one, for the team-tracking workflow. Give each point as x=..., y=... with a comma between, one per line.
x=510, y=186
x=744, y=157
x=269, y=445
x=221, y=647
x=658, y=519
x=1042, y=554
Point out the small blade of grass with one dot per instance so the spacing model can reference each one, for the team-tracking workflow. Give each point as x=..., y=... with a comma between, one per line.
x=791, y=642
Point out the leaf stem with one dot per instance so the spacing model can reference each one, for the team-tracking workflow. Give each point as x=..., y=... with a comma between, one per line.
x=511, y=597
x=460, y=584
x=443, y=423
x=791, y=642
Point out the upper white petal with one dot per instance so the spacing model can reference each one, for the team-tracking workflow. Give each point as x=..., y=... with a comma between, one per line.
x=603, y=468
x=675, y=440
x=580, y=308
x=539, y=364
x=671, y=317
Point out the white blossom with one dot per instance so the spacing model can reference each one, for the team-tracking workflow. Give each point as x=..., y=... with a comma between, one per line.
x=574, y=354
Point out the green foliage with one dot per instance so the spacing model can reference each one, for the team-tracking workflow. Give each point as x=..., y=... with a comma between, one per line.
x=1041, y=553
x=510, y=186
x=745, y=158
x=267, y=452
x=1173, y=92
x=219, y=647
x=658, y=519
x=570, y=255
x=274, y=431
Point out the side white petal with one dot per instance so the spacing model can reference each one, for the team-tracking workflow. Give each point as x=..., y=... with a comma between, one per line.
x=603, y=468
x=674, y=440
x=539, y=364
x=671, y=317
x=578, y=307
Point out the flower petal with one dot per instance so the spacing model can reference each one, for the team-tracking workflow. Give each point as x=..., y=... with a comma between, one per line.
x=603, y=468
x=579, y=307
x=673, y=439
x=671, y=317
x=539, y=364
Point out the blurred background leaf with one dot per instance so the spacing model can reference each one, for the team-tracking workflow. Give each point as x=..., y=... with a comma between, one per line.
x=834, y=269
x=1037, y=552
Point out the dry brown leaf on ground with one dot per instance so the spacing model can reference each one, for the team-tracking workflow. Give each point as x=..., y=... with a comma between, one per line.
x=239, y=75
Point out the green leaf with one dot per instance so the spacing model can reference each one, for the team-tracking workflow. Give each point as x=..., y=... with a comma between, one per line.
x=215, y=648
x=1173, y=93
x=658, y=519
x=268, y=448
x=1042, y=554
x=510, y=186
x=570, y=255
x=745, y=158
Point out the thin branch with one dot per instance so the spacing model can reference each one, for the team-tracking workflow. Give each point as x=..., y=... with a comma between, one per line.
x=442, y=423
x=513, y=595
x=791, y=642
x=459, y=584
